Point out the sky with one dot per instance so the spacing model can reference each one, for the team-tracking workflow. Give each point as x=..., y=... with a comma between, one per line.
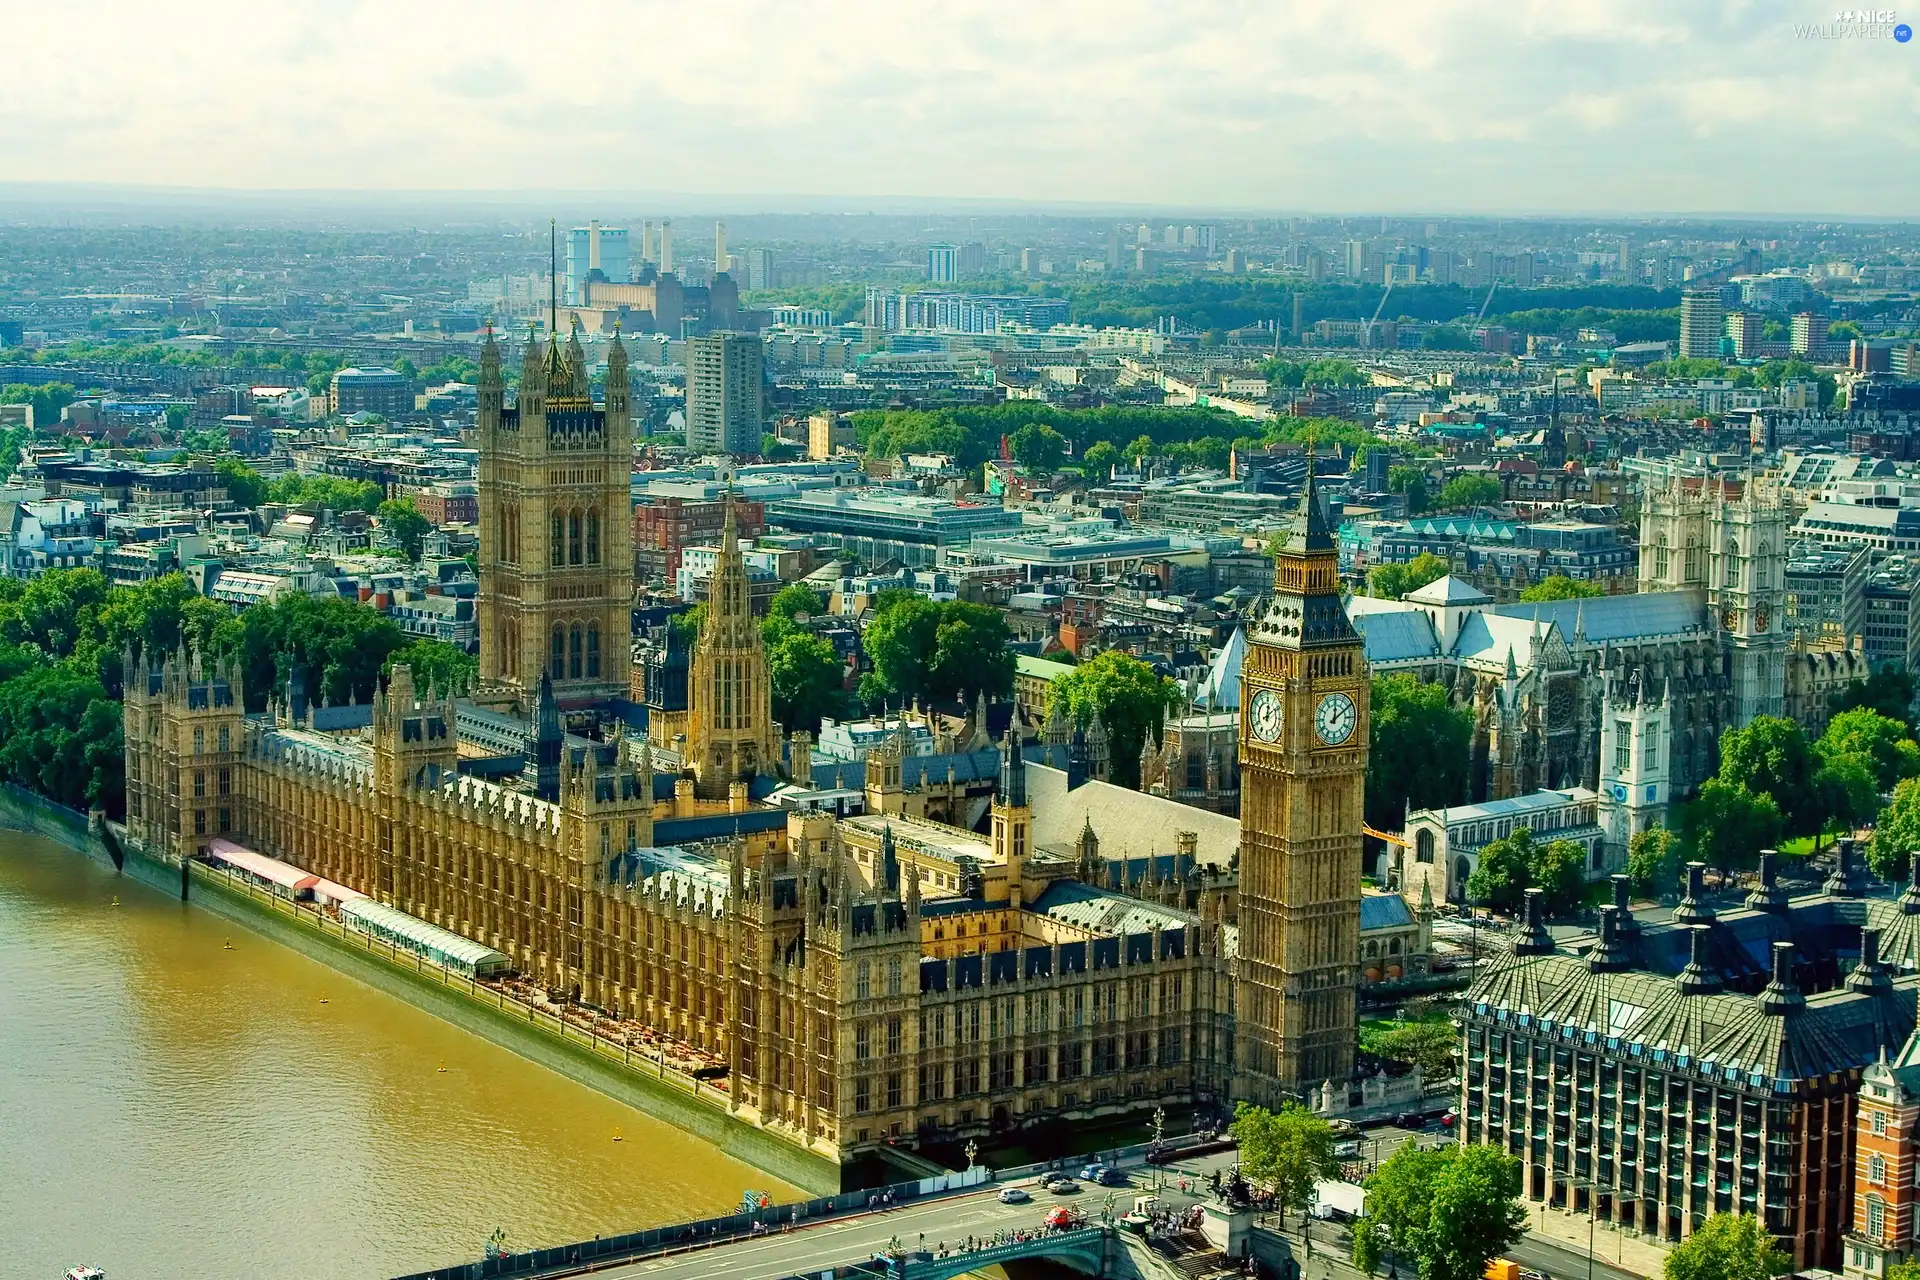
x=1414, y=106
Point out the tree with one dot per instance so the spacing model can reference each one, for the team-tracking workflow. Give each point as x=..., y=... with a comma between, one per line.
x=972, y=652
x=1099, y=459
x=1475, y=1214
x=686, y=626
x=901, y=641
x=1411, y=481
x=1888, y=691
x=1770, y=756
x=1392, y=581
x=1400, y=1195
x=1897, y=831
x=1559, y=867
x=1421, y=749
x=1653, y=862
x=1882, y=741
x=1846, y=793
x=1286, y=1150
x=807, y=680
x=1471, y=489
x=792, y=601
x=1726, y=825
x=1559, y=586
x=1038, y=447
x=1504, y=872
x=1131, y=699
x=400, y=516
x=1142, y=447
x=244, y=485
x=1430, y=1045
x=1727, y=1246
x=47, y=399
x=437, y=664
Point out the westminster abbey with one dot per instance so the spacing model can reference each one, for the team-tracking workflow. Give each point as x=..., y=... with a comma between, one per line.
x=868, y=974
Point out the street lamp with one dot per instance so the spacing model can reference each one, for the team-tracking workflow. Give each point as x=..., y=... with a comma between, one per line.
x=973, y=1152
x=1159, y=1129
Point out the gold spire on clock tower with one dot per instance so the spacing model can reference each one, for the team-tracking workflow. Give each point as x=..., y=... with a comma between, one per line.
x=1303, y=762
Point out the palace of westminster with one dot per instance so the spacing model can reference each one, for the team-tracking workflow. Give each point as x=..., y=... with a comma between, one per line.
x=868, y=972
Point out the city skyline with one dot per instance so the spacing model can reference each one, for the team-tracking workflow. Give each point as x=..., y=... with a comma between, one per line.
x=1432, y=108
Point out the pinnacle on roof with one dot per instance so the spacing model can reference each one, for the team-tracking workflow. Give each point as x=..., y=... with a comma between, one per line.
x=1308, y=530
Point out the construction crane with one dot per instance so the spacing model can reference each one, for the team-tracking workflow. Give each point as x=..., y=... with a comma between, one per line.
x=1486, y=302
x=1366, y=339
x=1398, y=841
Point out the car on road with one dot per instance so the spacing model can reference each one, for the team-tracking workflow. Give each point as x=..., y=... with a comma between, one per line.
x=1063, y=1185
x=1111, y=1177
x=1347, y=1150
x=1061, y=1218
x=1013, y=1195
x=1092, y=1172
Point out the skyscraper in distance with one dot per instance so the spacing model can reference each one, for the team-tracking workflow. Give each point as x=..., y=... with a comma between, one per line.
x=725, y=394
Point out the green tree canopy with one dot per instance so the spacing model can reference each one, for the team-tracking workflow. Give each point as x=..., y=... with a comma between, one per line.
x=1727, y=1246
x=406, y=522
x=1504, y=872
x=1038, y=446
x=1469, y=489
x=438, y=665
x=1727, y=825
x=47, y=399
x=244, y=485
x=971, y=652
x=1897, y=832
x=1392, y=581
x=686, y=626
x=1653, y=861
x=1770, y=756
x=1400, y=1198
x=1099, y=459
x=1286, y=1150
x=1475, y=1214
x=1431, y=1044
x=1130, y=698
x=1559, y=586
x=1882, y=741
x=1559, y=869
x=1888, y=691
x=331, y=492
x=1411, y=481
x=1421, y=750
x=900, y=642
x=807, y=680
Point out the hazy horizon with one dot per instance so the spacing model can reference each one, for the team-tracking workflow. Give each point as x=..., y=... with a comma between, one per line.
x=1593, y=109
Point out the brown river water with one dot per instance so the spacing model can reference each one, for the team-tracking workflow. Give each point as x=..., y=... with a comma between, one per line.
x=172, y=1109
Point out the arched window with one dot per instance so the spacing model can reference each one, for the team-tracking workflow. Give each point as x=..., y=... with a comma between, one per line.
x=1423, y=846
x=1393, y=946
x=559, y=544
x=573, y=536
x=593, y=649
x=559, y=663
x=593, y=535
x=573, y=662
x=1877, y=1171
x=1660, y=557
x=1373, y=949
x=1876, y=1217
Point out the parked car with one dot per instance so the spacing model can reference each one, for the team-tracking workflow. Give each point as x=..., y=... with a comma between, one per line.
x=1013, y=1195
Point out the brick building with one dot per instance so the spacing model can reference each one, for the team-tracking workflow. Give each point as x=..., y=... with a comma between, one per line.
x=666, y=527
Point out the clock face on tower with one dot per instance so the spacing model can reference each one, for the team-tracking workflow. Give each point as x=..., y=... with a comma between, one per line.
x=1263, y=717
x=1334, y=718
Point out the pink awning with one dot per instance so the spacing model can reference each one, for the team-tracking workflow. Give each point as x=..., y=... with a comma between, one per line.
x=270, y=869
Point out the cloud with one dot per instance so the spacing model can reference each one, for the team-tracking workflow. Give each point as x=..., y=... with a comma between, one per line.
x=1595, y=105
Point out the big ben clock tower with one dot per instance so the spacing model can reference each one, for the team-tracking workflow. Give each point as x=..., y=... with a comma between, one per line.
x=1303, y=766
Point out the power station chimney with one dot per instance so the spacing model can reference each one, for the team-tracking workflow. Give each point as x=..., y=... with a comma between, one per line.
x=719, y=247
x=593, y=245
x=666, y=245
x=646, y=241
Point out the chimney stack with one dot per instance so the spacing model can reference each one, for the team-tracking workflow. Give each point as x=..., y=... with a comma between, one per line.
x=719, y=247
x=1535, y=941
x=1782, y=996
x=1699, y=977
x=666, y=245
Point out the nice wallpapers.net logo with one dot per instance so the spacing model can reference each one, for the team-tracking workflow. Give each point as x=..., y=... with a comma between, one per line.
x=1857, y=24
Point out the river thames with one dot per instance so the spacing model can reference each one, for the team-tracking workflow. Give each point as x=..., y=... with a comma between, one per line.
x=181, y=1099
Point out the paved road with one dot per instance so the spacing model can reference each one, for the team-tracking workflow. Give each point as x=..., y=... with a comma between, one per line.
x=948, y=1220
